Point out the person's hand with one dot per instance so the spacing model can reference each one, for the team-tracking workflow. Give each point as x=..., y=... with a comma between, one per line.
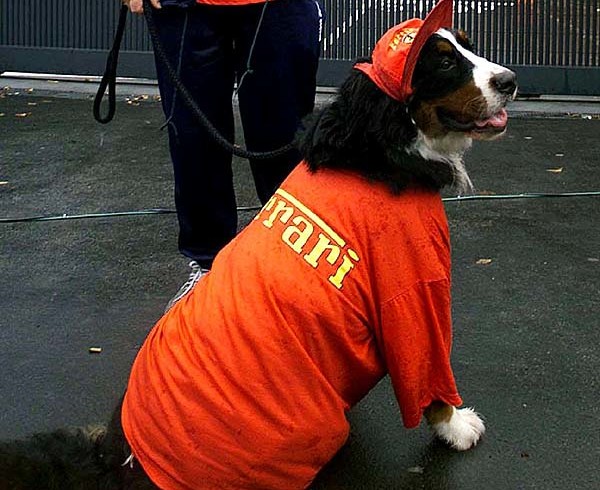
x=137, y=6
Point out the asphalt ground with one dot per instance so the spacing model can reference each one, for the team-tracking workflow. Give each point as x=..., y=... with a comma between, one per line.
x=526, y=291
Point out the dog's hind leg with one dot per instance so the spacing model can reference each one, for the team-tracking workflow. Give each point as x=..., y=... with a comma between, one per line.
x=118, y=458
x=65, y=458
x=72, y=459
x=460, y=428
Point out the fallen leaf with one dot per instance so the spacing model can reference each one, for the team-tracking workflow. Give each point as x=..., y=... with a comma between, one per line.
x=484, y=261
x=593, y=259
x=416, y=469
x=555, y=170
x=29, y=90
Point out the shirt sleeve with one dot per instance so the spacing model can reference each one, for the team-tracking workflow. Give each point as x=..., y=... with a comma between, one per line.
x=415, y=338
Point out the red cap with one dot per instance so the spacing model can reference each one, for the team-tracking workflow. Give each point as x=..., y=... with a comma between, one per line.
x=395, y=54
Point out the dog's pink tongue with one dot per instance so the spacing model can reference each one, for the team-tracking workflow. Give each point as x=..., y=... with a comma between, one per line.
x=498, y=120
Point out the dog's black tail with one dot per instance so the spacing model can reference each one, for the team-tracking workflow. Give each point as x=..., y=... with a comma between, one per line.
x=66, y=459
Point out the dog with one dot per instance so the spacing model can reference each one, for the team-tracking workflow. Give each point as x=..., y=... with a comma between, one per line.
x=342, y=277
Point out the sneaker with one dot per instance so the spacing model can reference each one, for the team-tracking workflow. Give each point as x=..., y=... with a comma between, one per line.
x=195, y=275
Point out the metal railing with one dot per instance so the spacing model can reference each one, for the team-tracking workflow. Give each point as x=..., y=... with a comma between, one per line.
x=554, y=45
x=518, y=32
x=521, y=32
x=68, y=24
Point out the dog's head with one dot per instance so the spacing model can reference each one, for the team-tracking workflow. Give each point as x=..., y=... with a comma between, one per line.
x=456, y=92
x=448, y=89
x=407, y=114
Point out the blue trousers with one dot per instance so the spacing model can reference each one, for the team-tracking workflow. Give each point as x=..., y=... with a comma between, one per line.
x=209, y=46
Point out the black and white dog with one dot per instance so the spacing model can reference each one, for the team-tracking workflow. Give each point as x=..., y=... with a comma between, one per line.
x=340, y=279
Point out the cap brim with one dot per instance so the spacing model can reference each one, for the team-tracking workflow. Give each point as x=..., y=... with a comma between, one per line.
x=442, y=15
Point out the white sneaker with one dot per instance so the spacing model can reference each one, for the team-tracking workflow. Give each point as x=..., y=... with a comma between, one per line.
x=195, y=275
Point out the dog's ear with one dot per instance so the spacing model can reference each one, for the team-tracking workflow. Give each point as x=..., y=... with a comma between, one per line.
x=463, y=39
x=323, y=141
x=357, y=129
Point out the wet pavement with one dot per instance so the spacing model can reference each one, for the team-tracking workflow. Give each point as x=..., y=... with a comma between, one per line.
x=526, y=291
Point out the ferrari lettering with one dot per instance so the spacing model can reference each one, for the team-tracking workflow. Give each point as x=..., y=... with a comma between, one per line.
x=309, y=236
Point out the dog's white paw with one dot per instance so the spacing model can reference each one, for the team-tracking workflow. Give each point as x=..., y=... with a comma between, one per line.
x=462, y=431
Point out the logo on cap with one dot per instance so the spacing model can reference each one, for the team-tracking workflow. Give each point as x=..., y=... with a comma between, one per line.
x=395, y=55
x=405, y=36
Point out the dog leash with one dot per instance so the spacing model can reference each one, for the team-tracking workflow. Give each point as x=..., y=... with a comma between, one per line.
x=110, y=75
x=109, y=79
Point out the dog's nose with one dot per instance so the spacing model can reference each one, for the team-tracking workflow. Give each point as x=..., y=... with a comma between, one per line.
x=505, y=82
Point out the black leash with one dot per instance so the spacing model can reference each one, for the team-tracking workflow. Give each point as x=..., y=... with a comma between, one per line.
x=109, y=79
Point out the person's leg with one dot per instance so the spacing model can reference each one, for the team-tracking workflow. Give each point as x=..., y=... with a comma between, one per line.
x=197, y=43
x=280, y=90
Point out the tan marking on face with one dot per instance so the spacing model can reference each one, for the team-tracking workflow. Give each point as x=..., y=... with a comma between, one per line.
x=466, y=105
x=444, y=47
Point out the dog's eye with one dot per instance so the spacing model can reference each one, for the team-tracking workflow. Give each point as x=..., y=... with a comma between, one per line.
x=447, y=64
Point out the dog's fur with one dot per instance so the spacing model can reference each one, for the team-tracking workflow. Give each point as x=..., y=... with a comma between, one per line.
x=457, y=97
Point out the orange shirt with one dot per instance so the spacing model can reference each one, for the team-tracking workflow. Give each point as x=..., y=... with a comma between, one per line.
x=245, y=383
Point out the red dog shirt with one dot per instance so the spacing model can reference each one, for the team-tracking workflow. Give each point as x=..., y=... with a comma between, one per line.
x=245, y=383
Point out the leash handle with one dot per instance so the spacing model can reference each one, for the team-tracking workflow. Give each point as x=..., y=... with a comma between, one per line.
x=109, y=79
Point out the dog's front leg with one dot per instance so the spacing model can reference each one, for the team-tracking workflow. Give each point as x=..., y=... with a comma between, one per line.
x=460, y=428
